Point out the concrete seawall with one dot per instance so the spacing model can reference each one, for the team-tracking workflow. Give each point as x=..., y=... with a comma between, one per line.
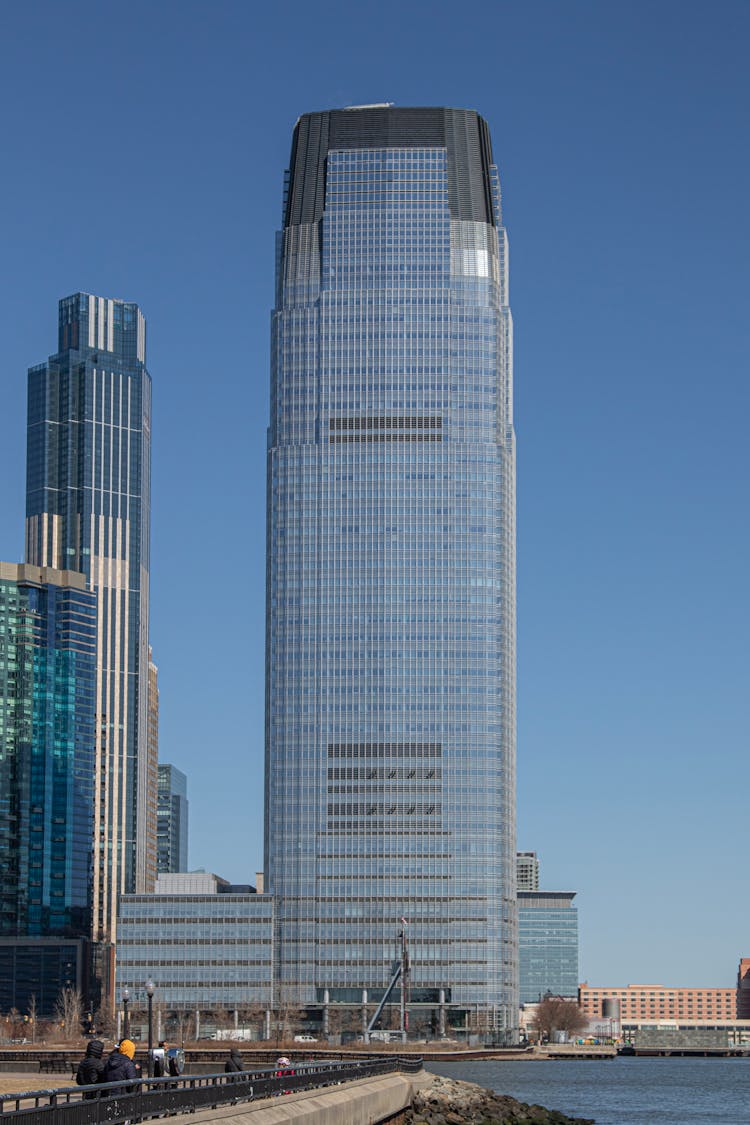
x=363, y=1102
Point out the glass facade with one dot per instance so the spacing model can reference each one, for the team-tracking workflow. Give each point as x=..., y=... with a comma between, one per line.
x=152, y=785
x=172, y=820
x=390, y=771
x=547, y=945
x=34, y=970
x=203, y=951
x=88, y=509
x=47, y=692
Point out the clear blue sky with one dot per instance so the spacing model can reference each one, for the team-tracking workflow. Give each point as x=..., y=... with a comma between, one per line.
x=143, y=151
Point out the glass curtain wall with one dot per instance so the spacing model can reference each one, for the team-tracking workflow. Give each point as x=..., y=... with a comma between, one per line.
x=390, y=774
x=47, y=687
x=88, y=509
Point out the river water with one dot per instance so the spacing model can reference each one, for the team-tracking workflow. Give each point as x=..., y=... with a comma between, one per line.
x=622, y=1091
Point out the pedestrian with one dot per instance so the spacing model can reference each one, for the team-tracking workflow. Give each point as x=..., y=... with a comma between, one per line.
x=234, y=1064
x=159, y=1056
x=283, y=1065
x=284, y=1069
x=175, y=1061
x=91, y=1066
x=120, y=1065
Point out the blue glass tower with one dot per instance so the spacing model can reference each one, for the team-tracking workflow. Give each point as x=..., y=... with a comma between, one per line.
x=47, y=686
x=390, y=711
x=171, y=820
x=88, y=509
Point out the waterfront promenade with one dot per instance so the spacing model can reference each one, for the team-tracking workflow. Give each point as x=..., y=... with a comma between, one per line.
x=323, y=1093
x=50, y=1067
x=51, y=1058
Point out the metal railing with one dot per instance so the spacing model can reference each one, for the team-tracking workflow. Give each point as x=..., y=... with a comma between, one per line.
x=141, y=1099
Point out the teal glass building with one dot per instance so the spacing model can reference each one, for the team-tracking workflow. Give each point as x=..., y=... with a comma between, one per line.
x=47, y=707
x=88, y=510
x=390, y=711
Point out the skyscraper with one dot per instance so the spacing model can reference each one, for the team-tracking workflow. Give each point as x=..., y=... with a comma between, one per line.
x=88, y=509
x=47, y=682
x=172, y=820
x=152, y=769
x=390, y=674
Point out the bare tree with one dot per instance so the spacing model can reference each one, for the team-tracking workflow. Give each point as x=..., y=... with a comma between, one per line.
x=32, y=1016
x=14, y=1019
x=421, y=1023
x=344, y=1019
x=251, y=1017
x=288, y=1016
x=553, y=1014
x=104, y=1022
x=185, y=1026
x=68, y=1007
x=222, y=1018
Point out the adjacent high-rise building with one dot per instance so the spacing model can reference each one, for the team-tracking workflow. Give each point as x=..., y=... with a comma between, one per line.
x=88, y=510
x=171, y=820
x=390, y=771
x=527, y=871
x=547, y=936
x=47, y=706
x=152, y=743
x=547, y=945
x=47, y=709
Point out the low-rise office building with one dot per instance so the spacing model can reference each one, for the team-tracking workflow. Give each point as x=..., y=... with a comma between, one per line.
x=205, y=943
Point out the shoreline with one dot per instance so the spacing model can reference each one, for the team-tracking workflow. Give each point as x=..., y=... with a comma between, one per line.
x=450, y=1101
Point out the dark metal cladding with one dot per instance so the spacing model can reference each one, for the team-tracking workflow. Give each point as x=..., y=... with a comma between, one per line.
x=463, y=133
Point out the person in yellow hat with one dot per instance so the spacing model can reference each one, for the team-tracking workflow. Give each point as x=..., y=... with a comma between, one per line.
x=120, y=1065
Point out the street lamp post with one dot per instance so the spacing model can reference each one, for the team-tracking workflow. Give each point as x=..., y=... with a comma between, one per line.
x=125, y=1025
x=150, y=993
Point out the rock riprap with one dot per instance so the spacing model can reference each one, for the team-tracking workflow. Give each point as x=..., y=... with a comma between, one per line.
x=449, y=1102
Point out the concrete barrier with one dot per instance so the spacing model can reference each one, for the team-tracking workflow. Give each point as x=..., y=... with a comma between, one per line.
x=364, y=1102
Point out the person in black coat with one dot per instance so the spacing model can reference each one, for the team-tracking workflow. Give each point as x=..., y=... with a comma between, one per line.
x=234, y=1064
x=120, y=1065
x=159, y=1057
x=91, y=1066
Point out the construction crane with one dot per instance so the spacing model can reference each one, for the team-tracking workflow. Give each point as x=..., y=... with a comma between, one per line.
x=400, y=972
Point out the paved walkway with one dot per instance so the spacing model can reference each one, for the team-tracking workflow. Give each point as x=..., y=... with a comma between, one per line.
x=362, y=1102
